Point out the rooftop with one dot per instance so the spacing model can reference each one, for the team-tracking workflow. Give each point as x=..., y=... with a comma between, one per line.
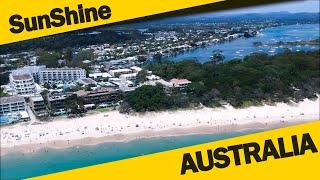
x=103, y=74
x=62, y=69
x=180, y=81
x=96, y=91
x=136, y=68
x=36, y=98
x=29, y=69
x=128, y=75
x=87, y=81
x=22, y=76
x=120, y=70
x=11, y=99
x=55, y=95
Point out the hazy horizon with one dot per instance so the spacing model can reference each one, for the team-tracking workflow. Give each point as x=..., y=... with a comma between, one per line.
x=308, y=6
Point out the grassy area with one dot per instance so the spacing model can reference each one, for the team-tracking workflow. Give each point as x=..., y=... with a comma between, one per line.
x=103, y=109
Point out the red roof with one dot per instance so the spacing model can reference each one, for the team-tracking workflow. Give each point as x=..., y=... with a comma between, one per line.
x=180, y=81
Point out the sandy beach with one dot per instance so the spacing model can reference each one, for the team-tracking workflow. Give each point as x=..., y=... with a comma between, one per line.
x=113, y=126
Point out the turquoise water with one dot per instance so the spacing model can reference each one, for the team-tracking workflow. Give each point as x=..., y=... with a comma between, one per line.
x=244, y=46
x=18, y=166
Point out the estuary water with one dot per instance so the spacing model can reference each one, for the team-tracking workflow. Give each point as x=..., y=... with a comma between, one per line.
x=18, y=166
x=239, y=48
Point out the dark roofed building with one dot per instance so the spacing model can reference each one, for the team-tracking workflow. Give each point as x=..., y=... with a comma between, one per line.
x=100, y=96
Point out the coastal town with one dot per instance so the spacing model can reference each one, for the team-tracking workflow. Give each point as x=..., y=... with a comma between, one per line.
x=99, y=92
x=108, y=70
x=119, y=84
x=29, y=96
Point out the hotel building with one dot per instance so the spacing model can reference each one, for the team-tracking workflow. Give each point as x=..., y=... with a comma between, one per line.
x=33, y=70
x=23, y=84
x=42, y=75
x=61, y=75
x=12, y=104
x=103, y=95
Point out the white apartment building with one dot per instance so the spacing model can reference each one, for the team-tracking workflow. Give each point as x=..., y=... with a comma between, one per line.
x=33, y=70
x=42, y=75
x=128, y=77
x=118, y=72
x=12, y=104
x=61, y=75
x=23, y=84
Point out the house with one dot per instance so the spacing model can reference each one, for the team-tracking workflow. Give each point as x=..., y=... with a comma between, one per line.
x=100, y=75
x=180, y=83
x=136, y=69
x=128, y=77
x=118, y=72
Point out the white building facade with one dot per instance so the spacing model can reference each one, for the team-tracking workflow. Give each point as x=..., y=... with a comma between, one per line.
x=12, y=104
x=23, y=84
x=42, y=75
x=61, y=75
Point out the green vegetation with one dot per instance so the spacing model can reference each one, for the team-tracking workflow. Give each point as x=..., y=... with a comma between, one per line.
x=255, y=79
x=103, y=110
x=49, y=59
x=301, y=43
x=3, y=94
x=142, y=76
x=4, y=78
x=74, y=104
x=148, y=98
x=71, y=39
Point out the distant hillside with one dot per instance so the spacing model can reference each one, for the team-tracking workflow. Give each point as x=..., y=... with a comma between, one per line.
x=212, y=17
x=109, y=34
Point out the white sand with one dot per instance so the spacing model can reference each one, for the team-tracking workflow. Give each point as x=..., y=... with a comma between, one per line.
x=114, y=124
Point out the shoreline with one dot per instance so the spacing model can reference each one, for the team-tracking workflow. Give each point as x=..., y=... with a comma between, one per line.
x=115, y=127
x=120, y=138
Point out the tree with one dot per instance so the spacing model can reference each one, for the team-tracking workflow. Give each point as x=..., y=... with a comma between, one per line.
x=157, y=57
x=255, y=79
x=49, y=59
x=142, y=59
x=2, y=93
x=4, y=78
x=85, y=55
x=124, y=108
x=142, y=76
x=217, y=57
x=197, y=89
x=148, y=98
x=74, y=104
x=67, y=54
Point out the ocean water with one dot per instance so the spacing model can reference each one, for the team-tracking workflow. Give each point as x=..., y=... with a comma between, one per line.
x=18, y=166
x=241, y=47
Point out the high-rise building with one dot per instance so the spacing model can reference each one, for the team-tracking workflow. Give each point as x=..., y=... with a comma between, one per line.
x=61, y=75
x=42, y=75
x=22, y=84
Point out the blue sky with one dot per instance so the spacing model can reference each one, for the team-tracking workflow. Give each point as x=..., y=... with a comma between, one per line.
x=294, y=7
